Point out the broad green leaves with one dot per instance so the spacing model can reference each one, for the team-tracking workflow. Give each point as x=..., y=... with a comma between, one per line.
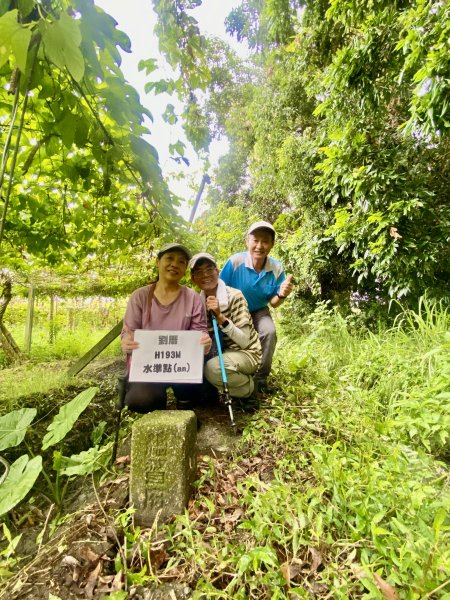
x=25, y=7
x=84, y=179
x=21, y=477
x=68, y=414
x=183, y=46
x=24, y=472
x=15, y=39
x=84, y=462
x=13, y=426
x=424, y=43
x=61, y=41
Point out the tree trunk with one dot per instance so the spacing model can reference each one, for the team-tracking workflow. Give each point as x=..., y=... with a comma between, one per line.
x=10, y=348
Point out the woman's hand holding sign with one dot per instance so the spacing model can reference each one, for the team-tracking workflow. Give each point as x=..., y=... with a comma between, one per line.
x=206, y=342
x=128, y=344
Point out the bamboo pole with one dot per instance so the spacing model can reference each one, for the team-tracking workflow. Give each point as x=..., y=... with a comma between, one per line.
x=30, y=317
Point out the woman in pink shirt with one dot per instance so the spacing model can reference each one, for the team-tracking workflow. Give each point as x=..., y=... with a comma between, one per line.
x=164, y=305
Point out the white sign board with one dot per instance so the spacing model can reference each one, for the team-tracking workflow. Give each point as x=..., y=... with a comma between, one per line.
x=167, y=357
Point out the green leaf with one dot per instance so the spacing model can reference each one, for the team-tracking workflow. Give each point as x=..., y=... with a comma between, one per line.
x=8, y=27
x=68, y=414
x=67, y=128
x=97, y=433
x=20, y=42
x=62, y=40
x=439, y=519
x=25, y=7
x=13, y=426
x=148, y=65
x=169, y=115
x=21, y=477
x=84, y=463
x=4, y=6
x=81, y=132
x=12, y=542
x=115, y=596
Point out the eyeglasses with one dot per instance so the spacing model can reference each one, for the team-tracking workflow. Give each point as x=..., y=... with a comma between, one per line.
x=203, y=272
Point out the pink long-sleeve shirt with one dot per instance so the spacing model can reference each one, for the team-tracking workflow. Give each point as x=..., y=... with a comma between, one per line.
x=186, y=312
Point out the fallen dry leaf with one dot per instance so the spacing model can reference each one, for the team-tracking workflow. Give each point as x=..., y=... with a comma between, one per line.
x=158, y=557
x=86, y=553
x=231, y=478
x=291, y=570
x=388, y=591
x=237, y=514
x=118, y=583
x=285, y=571
x=92, y=581
x=120, y=480
x=69, y=561
x=221, y=500
x=358, y=571
x=316, y=559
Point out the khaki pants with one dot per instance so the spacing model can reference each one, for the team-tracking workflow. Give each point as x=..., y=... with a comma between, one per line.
x=239, y=368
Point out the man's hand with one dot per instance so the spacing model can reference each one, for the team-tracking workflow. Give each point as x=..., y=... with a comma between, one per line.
x=212, y=304
x=128, y=344
x=286, y=287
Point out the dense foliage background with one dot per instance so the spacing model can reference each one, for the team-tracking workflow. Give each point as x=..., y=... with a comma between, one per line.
x=338, y=126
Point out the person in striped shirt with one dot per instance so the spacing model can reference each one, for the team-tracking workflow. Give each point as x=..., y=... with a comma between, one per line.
x=241, y=347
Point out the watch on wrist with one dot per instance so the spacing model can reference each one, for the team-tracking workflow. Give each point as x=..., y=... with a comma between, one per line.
x=225, y=324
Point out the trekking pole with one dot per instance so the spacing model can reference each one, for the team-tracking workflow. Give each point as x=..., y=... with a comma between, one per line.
x=222, y=368
x=120, y=403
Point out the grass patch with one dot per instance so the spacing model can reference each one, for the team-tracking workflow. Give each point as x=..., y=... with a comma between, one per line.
x=339, y=487
x=68, y=345
x=30, y=379
x=335, y=491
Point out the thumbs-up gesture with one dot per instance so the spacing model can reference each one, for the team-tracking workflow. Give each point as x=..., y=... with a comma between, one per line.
x=286, y=287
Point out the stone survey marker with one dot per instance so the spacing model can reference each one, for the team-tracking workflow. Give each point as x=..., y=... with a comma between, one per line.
x=163, y=464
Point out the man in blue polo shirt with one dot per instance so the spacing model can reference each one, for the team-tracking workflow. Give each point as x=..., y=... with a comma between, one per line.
x=262, y=280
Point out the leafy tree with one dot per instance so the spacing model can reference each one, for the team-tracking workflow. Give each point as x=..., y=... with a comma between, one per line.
x=182, y=45
x=345, y=125
x=76, y=169
x=79, y=183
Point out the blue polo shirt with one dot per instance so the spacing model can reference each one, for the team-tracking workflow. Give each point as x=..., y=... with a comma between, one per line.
x=258, y=288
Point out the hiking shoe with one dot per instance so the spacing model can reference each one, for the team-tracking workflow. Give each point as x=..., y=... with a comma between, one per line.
x=249, y=404
x=263, y=389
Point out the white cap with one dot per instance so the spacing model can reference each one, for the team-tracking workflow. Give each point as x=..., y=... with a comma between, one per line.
x=261, y=225
x=194, y=260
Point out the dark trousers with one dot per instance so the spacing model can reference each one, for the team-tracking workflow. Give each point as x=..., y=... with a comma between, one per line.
x=146, y=397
